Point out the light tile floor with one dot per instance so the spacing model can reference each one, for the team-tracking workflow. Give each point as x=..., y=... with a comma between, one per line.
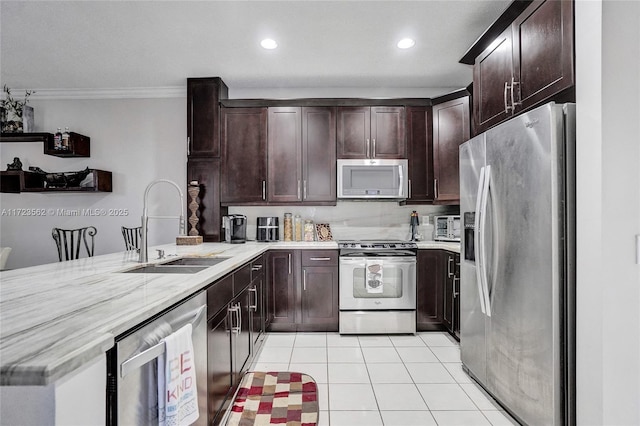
x=384, y=380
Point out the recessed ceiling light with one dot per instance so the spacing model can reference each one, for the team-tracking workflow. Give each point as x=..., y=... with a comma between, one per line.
x=268, y=43
x=406, y=43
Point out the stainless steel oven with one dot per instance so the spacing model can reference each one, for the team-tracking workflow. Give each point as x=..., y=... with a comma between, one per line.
x=377, y=287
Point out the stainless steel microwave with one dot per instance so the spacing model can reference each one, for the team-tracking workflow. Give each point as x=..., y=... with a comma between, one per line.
x=447, y=228
x=373, y=178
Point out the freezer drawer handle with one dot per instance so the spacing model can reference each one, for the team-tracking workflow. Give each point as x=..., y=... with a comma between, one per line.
x=156, y=350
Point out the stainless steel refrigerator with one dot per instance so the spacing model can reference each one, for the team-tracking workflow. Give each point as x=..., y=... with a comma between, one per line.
x=517, y=296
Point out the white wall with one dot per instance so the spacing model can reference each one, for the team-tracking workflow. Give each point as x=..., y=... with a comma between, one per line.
x=138, y=140
x=608, y=218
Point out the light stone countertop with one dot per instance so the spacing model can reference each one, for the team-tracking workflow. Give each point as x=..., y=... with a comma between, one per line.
x=55, y=318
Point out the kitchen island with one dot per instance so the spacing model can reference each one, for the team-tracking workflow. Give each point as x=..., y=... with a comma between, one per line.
x=58, y=320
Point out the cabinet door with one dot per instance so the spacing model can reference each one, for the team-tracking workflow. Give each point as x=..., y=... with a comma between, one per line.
x=256, y=305
x=241, y=334
x=456, y=298
x=420, y=148
x=319, y=154
x=320, y=297
x=430, y=290
x=285, y=155
x=281, y=279
x=354, y=132
x=492, y=71
x=203, y=115
x=207, y=172
x=543, y=55
x=244, y=155
x=449, y=274
x=450, y=129
x=388, y=133
x=219, y=370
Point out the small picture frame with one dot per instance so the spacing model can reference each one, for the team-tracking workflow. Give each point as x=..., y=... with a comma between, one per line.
x=323, y=231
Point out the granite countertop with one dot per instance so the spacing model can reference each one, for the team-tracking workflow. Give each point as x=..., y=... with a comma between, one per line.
x=57, y=317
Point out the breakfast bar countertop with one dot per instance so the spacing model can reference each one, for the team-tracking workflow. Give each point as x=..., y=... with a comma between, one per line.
x=57, y=317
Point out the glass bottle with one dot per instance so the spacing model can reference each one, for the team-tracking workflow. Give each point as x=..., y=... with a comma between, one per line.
x=65, y=138
x=288, y=227
x=57, y=139
x=298, y=227
x=308, y=230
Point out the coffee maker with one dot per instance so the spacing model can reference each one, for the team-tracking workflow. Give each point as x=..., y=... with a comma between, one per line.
x=268, y=229
x=235, y=228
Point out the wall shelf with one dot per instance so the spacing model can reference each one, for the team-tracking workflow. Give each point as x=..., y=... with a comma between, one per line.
x=79, y=145
x=24, y=181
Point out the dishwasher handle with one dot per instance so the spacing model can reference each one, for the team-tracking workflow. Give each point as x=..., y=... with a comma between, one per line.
x=158, y=349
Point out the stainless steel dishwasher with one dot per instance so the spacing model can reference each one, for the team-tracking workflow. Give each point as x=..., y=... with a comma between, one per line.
x=132, y=383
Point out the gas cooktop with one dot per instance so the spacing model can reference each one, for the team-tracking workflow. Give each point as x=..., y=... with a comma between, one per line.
x=377, y=244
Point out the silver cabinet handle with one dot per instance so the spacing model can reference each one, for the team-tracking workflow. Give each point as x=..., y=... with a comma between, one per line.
x=513, y=101
x=506, y=105
x=254, y=306
x=435, y=188
x=156, y=350
x=409, y=181
x=299, y=197
x=373, y=149
x=256, y=267
x=264, y=190
x=289, y=263
x=368, y=150
x=449, y=262
x=455, y=293
x=188, y=145
x=304, y=190
x=304, y=280
x=319, y=258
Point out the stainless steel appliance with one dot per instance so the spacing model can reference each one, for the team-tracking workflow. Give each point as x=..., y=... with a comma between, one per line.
x=132, y=384
x=268, y=229
x=447, y=228
x=235, y=228
x=517, y=199
x=373, y=179
x=377, y=287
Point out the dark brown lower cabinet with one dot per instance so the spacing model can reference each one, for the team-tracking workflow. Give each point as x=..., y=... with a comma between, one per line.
x=235, y=328
x=430, y=290
x=451, y=317
x=303, y=289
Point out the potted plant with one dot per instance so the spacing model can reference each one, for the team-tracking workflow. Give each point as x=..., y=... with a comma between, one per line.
x=16, y=115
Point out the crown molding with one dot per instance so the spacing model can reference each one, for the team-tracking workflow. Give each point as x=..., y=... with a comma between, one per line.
x=117, y=93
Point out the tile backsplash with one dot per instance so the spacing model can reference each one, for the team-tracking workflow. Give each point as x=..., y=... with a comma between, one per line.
x=349, y=219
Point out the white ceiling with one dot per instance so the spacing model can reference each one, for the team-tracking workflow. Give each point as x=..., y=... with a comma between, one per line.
x=149, y=44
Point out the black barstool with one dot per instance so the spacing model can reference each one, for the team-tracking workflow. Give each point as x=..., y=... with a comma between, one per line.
x=132, y=237
x=69, y=241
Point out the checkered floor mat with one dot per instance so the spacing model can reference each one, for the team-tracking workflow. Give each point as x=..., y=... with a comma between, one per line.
x=275, y=398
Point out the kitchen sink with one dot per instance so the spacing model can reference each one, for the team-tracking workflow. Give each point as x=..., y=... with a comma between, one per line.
x=166, y=269
x=197, y=261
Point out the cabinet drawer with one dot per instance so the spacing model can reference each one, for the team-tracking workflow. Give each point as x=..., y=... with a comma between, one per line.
x=219, y=295
x=241, y=279
x=319, y=257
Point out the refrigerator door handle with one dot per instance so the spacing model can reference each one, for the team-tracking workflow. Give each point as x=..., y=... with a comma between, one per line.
x=483, y=249
x=476, y=237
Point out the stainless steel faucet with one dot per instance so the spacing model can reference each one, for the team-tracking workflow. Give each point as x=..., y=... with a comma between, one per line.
x=145, y=218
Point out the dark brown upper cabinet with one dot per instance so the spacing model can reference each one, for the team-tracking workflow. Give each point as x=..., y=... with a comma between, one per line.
x=530, y=62
x=371, y=132
x=450, y=129
x=301, y=155
x=203, y=116
x=543, y=57
x=420, y=147
x=492, y=74
x=244, y=156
